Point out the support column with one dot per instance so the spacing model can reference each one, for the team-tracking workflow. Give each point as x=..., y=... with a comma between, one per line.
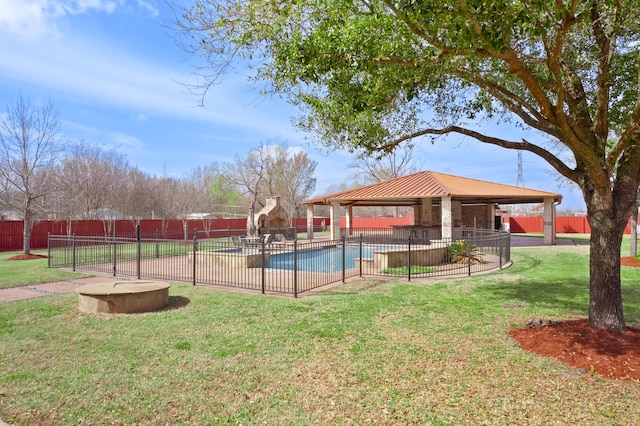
x=491, y=223
x=427, y=212
x=447, y=218
x=549, y=221
x=335, y=220
x=349, y=220
x=309, y=221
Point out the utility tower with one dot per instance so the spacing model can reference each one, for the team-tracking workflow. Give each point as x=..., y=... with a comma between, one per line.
x=520, y=181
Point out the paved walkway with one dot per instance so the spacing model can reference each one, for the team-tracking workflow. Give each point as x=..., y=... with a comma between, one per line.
x=524, y=241
x=32, y=291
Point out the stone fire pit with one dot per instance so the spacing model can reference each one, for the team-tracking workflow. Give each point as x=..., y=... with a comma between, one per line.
x=123, y=297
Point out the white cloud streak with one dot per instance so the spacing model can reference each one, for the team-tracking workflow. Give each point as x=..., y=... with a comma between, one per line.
x=38, y=18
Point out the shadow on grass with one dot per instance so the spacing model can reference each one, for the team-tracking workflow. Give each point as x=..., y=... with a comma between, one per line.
x=532, y=282
x=176, y=302
x=563, y=295
x=580, y=241
x=354, y=287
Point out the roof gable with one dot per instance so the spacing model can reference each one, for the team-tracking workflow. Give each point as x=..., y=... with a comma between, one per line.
x=405, y=190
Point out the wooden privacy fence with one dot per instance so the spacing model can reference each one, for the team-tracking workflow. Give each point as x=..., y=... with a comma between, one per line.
x=11, y=231
x=564, y=225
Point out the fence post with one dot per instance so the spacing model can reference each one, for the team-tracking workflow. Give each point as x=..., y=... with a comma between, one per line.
x=469, y=257
x=500, y=248
x=157, y=246
x=361, y=239
x=295, y=268
x=73, y=252
x=138, y=250
x=48, y=249
x=195, y=249
x=263, y=265
x=409, y=258
x=115, y=250
x=344, y=257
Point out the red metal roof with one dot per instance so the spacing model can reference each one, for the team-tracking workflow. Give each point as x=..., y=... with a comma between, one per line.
x=406, y=190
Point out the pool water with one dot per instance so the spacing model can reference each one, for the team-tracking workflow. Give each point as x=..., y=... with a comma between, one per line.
x=327, y=259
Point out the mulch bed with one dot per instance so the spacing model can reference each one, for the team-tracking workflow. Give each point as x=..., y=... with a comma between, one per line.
x=630, y=261
x=27, y=257
x=607, y=353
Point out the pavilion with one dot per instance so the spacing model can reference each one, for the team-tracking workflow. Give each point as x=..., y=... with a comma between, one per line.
x=439, y=201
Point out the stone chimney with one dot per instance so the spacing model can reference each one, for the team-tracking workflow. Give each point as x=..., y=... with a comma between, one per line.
x=273, y=218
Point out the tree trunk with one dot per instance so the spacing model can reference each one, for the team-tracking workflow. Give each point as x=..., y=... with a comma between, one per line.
x=605, y=301
x=26, y=234
x=633, y=251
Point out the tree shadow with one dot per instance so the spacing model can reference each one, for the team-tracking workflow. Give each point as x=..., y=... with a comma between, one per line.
x=570, y=295
x=581, y=242
x=176, y=302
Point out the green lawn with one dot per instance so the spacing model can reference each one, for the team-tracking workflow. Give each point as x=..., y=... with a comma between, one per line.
x=371, y=351
x=15, y=273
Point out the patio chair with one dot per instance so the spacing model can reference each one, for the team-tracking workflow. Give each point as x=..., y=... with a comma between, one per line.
x=237, y=241
x=267, y=238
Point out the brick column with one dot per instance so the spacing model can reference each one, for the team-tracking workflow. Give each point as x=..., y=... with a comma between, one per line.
x=549, y=221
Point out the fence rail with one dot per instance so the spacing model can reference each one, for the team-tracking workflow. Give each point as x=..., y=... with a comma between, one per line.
x=289, y=267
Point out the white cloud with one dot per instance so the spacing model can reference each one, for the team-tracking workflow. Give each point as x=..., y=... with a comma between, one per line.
x=29, y=18
x=127, y=142
x=149, y=7
x=139, y=118
x=107, y=138
x=37, y=18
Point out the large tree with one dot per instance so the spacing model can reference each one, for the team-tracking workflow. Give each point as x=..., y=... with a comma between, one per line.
x=373, y=73
x=296, y=180
x=273, y=170
x=29, y=148
x=93, y=180
x=401, y=162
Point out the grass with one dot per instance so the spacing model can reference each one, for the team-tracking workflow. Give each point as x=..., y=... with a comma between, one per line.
x=15, y=273
x=386, y=352
x=415, y=269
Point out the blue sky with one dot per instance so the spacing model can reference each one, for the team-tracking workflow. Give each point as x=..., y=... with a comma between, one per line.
x=115, y=74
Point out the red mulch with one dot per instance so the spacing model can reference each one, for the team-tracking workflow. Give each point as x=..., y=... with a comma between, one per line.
x=629, y=261
x=599, y=351
x=27, y=257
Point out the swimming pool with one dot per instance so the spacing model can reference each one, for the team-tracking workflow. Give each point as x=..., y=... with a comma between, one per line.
x=326, y=259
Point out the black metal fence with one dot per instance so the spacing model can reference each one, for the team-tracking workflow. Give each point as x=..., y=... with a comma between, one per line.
x=289, y=267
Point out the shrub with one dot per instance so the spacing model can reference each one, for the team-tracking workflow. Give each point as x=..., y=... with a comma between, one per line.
x=464, y=251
